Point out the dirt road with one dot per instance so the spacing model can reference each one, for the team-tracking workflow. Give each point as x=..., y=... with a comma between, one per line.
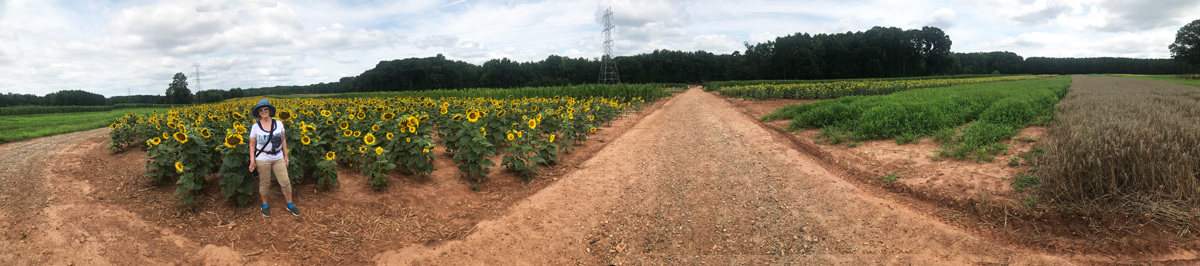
x=699, y=183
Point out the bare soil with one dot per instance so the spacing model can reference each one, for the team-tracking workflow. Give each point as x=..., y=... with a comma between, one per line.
x=694, y=179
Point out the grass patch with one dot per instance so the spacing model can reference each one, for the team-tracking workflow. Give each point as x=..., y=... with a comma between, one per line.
x=991, y=111
x=1167, y=78
x=889, y=178
x=23, y=127
x=1025, y=181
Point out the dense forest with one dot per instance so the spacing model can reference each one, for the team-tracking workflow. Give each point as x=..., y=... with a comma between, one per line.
x=880, y=52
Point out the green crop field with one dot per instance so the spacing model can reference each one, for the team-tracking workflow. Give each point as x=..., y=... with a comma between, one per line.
x=991, y=111
x=23, y=127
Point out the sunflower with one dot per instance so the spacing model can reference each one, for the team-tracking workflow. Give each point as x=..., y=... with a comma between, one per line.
x=149, y=142
x=179, y=167
x=379, y=109
x=389, y=135
x=357, y=133
x=204, y=132
x=305, y=140
x=375, y=127
x=551, y=137
x=473, y=116
x=443, y=110
x=378, y=150
x=362, y=149
x=387, y=116
x=157, y=140
x=233, y=140
x=412, y=129
x=344, y=125
x=591, y=117
x=284, y=115
x=326, y=113
x=518, y=134
x=309, y=128
x=329, y=122
x=166, y=136
x=457, y=117
x=181, y=137
x=157, y=127
x=347, y=133
x=238, y=116
x=407, y=139
x=412, y=122
x=425, y=151
x=362, y=115
x=240, y=129
x=369, y=139
x=483, y=130
x=593, y=129
x=501, y=113
x=532, y=124
x=510, y=136
x=329, y=156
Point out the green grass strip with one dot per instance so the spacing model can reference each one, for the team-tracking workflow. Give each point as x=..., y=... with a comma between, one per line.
x=1167, y=78
x=23, y=127
x=991, y=112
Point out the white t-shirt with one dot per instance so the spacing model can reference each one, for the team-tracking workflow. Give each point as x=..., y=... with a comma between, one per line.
x=260, y=136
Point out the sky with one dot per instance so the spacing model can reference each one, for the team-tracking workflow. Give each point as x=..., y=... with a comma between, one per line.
x=135, y=47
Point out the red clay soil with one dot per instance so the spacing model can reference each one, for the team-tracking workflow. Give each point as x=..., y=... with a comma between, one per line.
x=692, y=180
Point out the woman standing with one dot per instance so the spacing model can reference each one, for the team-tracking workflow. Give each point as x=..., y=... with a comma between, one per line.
x=268, y=148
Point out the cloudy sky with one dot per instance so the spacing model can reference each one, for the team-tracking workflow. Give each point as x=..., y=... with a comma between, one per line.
x=120, y=47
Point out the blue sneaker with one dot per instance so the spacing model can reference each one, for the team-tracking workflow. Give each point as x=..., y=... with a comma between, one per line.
x=295, y=212
x=266, y=212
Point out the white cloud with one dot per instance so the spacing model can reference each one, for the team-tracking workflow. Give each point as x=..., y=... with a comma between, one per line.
x=943, y=18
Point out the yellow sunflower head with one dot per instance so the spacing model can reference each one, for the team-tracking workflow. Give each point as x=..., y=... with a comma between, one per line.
x=412, y=129
x=378, y=150
x=326, y=113
x=369, y=139
x=591, y=118
x=519, y=134
x=347, y=133
x=179, y=167
x=305, y=140
x=457, y=117
x=156, y=140
x=374, y=127
x=204, y=132
x=387, y=116
x=284, y=115
x=510, y=136
x=425, y=151
x=473, y=116
x=443, y=110
x=233, y=140
x=483, y=130
x=407, y=139
x=329, y=156
x=361, y=115
x=532, y=124
x=357, y=133
x=362, y=149
x=551, y=137
x=329, y=122
x=390, y=135
x=166, y=136
x=149, y=142
x=181, y=137
x=593, y=129
x=344, y=125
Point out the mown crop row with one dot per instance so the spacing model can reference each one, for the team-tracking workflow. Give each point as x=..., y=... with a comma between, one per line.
x=995, y=111
x=838, y=89
x=373, y=135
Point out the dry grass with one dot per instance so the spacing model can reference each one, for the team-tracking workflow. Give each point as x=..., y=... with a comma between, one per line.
x=1126, y=145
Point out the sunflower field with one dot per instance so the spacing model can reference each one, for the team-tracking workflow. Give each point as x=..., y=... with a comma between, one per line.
x=374, y=135
x=842, y=88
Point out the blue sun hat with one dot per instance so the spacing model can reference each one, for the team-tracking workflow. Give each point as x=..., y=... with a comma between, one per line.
x=264, y=103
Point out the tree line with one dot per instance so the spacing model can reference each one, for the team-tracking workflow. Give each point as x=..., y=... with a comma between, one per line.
x=880, y=52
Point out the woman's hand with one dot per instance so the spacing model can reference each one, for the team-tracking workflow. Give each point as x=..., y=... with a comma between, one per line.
x=253, y=165
x=285, y=161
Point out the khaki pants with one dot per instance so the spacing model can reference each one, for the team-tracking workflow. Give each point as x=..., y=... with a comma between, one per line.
x=264, y=176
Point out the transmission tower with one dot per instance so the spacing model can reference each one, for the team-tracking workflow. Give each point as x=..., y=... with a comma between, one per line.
x=196, y=96
x=608, y=66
